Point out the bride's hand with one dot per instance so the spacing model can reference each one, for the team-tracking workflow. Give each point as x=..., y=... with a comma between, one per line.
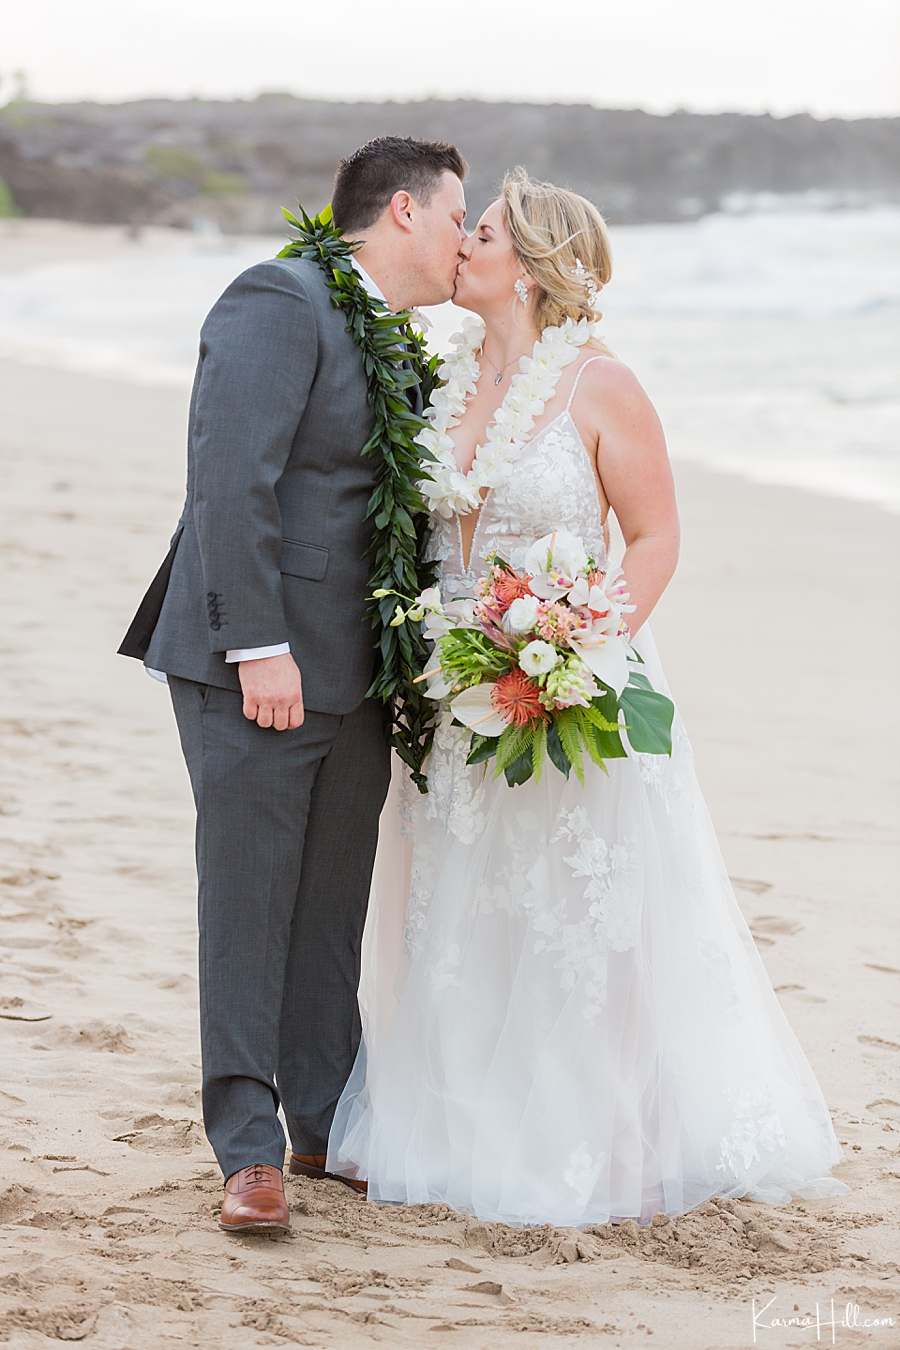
x=273, y=691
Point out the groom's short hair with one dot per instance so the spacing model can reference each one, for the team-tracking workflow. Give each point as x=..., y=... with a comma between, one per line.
x=368, y=179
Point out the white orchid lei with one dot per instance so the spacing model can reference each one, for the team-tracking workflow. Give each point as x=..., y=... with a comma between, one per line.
x=449, y=492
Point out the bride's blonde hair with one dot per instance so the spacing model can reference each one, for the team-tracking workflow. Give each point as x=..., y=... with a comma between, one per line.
x=561, y=241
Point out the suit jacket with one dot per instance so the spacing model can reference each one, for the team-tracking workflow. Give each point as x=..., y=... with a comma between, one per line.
x=271, y=544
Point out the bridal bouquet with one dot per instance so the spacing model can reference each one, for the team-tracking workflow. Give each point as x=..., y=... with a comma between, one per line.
x=538, y=666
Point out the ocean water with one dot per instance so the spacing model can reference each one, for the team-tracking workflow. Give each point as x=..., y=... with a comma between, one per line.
x=770, y=342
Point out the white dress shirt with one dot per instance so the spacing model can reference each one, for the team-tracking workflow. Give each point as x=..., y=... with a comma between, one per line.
x=235, y=654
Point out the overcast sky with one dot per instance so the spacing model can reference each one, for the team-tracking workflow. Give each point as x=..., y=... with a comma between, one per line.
x=824, y=56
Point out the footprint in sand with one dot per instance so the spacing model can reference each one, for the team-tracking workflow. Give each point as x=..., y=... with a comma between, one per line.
x=93, y=1035
x=885, y=1108
x=16, y=1009
x=750, y=884
x=16, y=1201
x=155, y=1134
x=799, y=991
x=765, y=925
x=879, y=1042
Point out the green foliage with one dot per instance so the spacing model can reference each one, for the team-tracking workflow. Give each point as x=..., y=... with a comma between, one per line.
x=174, y=161
x=468, y=656
x=395, y=359
x=539, y=750
x=224, y=184
x=513, y=743
x=522, y=751
x=179, y=165
x=649, y=718
x=555, y=751
x=520, y=770
x=569, y=733
x=8, y=208
x=481, y=748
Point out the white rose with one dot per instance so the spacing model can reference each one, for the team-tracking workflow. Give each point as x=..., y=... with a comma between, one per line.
x=538, y=657
x=522, y=614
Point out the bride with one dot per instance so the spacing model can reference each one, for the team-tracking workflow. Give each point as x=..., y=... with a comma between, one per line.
x=575, y=1024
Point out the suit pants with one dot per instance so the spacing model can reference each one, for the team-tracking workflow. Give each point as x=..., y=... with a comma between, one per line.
x=287, y=827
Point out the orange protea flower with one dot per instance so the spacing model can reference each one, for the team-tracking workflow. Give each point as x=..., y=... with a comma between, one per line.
x=518, y=699
x=507, y=587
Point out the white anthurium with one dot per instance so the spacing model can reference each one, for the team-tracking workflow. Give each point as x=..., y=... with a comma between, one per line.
x=606, y=656
x=538, y=657
x=475, y=709
x=522, y=614
x=438, y=687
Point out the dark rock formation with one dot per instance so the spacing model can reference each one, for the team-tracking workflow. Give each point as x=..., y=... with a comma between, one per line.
x=238, y=162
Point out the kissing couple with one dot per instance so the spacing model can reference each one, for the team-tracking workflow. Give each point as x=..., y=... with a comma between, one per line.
x=565, y=1018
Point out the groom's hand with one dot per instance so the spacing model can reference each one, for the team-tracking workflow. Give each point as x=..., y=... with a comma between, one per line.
x=273, y=691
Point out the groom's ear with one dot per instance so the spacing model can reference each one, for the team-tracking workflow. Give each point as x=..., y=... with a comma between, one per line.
x=400, y=207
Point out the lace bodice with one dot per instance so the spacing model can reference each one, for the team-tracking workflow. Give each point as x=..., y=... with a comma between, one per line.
x=551, y=487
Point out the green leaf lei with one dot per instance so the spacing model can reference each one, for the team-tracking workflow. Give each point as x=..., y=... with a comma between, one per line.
x=395, y=359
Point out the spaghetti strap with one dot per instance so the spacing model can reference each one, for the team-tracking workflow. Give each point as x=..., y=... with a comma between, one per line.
x=579, y=375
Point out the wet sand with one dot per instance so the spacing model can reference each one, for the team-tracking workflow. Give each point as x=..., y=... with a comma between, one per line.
x=779, y=638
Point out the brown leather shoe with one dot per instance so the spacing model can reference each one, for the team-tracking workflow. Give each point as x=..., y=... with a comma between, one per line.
x=313, y=1165
x=254, y=1201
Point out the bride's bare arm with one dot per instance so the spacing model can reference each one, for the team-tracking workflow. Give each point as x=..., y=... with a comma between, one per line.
x=637, y=478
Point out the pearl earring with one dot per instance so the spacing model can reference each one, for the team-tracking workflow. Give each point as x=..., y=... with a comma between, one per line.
x=522, y=290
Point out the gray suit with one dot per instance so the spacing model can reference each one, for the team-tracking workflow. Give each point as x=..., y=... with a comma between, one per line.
x=271, y=549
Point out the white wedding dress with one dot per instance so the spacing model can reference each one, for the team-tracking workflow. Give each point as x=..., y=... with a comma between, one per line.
x=565, y=1016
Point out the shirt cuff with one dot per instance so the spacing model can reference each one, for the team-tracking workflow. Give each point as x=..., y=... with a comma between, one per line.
x=157, y=675
x=256, y=653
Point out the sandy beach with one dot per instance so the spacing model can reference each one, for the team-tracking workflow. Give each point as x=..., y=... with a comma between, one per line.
x=780, y=640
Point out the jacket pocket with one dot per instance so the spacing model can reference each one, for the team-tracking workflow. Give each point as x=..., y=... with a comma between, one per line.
x=303, y=560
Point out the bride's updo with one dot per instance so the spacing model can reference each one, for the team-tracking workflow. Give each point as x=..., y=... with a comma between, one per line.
x=561, y=241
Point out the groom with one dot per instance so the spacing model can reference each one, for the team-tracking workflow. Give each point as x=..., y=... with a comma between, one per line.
x=257, y=620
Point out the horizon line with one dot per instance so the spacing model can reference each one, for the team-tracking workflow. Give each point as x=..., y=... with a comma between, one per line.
x=351, y=101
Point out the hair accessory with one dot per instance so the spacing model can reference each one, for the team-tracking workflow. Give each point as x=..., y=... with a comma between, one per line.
x=521, y=290
x=590, y=285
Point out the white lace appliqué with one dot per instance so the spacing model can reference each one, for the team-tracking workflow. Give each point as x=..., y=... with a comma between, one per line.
x=657, y=773
x=583, y=1172
x=455, y=789
x=755, y=1126
x=720, y=981
x=612, y=921
x=455, y=799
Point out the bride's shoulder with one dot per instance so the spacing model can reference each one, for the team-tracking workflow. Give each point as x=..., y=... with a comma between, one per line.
x=611, y=403
x=601, y=375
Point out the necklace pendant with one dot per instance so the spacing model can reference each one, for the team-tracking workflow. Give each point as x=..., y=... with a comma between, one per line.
x=499, y=377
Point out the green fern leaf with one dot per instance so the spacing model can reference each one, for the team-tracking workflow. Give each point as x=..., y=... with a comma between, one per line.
x=594, y=715
x=513, y=743
x=589, y=735
x=570, y=737
x=539, y=750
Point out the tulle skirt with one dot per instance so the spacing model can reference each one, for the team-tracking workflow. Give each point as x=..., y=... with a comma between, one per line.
x=565, y=1017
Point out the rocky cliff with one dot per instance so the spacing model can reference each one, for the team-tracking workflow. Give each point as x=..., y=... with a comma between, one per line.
x=236, y=163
